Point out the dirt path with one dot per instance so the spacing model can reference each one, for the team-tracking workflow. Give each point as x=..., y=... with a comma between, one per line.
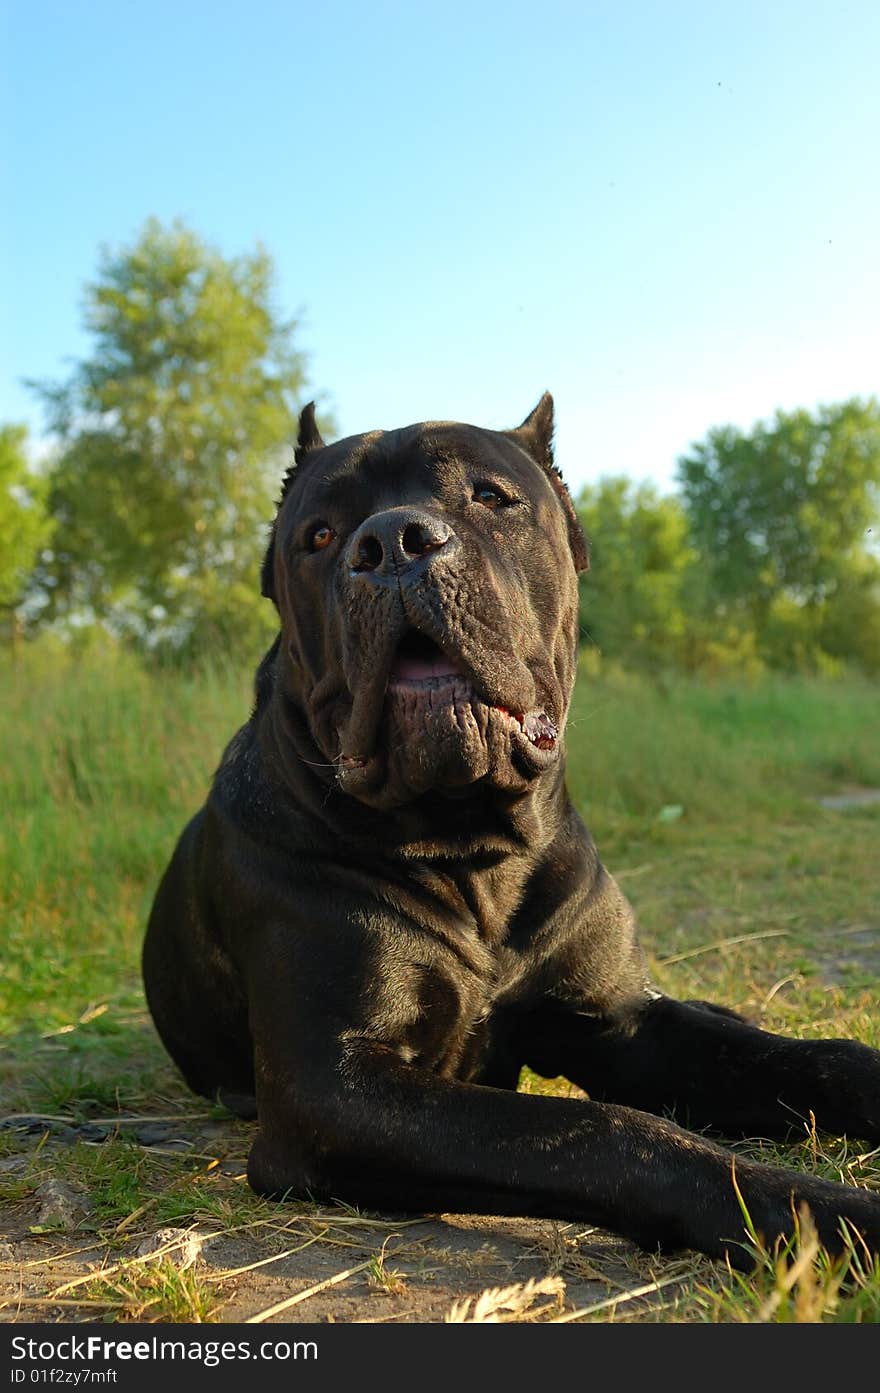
x=410, y=1274
x=234, y=1258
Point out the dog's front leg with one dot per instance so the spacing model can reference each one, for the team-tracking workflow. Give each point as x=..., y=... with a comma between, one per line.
x=343, y=1115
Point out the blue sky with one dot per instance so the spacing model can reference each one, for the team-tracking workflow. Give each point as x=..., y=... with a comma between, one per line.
x=668, y=215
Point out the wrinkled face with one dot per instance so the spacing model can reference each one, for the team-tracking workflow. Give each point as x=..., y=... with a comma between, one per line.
x=428, y=602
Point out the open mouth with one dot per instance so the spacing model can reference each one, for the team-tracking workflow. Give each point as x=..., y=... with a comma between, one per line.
x=436, y=720
x=420, y=662
x=420, y=665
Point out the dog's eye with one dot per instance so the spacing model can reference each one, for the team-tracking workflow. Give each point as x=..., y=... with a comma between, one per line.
x=321, y=537
x=489, y=497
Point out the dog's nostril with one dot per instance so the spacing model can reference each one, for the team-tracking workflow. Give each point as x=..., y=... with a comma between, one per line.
x=388, y=543
x=418, y=539
x=369, y=554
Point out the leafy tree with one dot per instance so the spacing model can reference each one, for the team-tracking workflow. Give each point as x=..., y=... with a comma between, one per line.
x=781, y=518
x=849, y=624
x=172, y=440
x=22, y=522
x=633, y=596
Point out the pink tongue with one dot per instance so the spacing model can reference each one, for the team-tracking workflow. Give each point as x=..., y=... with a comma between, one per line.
x=415, y=669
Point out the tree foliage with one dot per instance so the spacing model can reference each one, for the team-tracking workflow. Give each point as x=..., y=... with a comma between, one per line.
x=782, y=516
x=173, y=436
x=23, y=524
x=633, y=597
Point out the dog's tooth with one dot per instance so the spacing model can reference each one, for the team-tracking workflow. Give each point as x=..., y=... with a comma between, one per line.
x=540, y=730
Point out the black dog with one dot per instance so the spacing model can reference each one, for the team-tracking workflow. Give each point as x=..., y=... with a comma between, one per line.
x=388, y=905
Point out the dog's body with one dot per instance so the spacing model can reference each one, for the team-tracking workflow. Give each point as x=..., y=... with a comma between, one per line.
x=388, y=905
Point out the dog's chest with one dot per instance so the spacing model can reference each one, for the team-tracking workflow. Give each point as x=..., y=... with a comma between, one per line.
x=454, y=1021
x=449, y=992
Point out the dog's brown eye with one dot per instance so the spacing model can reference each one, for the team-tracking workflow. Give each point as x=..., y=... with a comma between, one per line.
x=321, y=537
x=490, y=498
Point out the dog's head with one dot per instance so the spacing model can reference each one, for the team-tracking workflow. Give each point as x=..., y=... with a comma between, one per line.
x=426, y=580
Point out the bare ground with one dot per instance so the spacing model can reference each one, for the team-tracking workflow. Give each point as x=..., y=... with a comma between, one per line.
x=247, y=1257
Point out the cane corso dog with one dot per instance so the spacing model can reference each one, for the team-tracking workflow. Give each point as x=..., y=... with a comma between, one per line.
x=388, y=905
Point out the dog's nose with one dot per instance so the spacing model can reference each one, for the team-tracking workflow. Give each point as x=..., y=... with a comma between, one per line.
x=393, y=541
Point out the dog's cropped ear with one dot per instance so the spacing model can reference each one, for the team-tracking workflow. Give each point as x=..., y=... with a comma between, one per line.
x=535, y=436
x=308, y=438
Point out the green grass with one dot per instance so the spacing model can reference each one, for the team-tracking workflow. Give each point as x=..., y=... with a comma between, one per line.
x=728, y=755
x=703, y=800
x=102, y=765
x=155, y=1292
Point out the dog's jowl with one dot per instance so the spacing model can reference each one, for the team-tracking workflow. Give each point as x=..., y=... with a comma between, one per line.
x=388, y=904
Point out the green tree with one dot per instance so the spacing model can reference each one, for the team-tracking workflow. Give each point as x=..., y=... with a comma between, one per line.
x=781, y=518
x=23, y=525
x=633, y=596
x=173, y=436
x=849, y=625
